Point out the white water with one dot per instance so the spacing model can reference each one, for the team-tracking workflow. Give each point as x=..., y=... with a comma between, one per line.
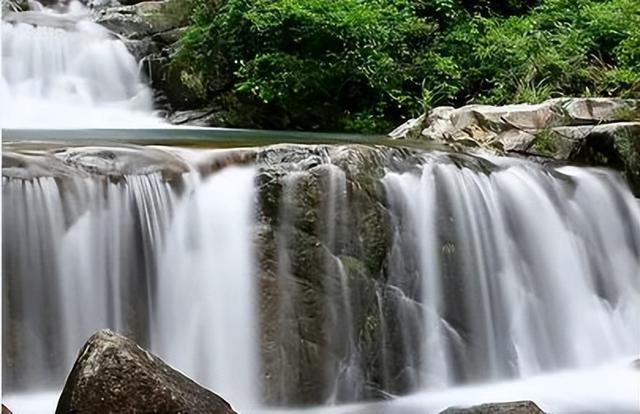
x=205, y=324
x=546, y=275
x=610, y=389
x=525, y=274
x=60, y=70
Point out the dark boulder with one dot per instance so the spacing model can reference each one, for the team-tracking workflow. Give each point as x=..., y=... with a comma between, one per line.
x=515, y=407
x=113, y=374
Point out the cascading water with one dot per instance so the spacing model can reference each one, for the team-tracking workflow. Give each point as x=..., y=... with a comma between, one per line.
x=80, y=261
x=320, y=276
x=129, y=254
x=60, y=70
x=511, y=284
x=206, y=315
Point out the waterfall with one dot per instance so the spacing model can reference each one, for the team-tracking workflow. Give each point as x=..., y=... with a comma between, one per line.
x=308, y=279
x=60, y=70
x=522, y=272
x=174, y=273
x=80, y=260
x=205, y=319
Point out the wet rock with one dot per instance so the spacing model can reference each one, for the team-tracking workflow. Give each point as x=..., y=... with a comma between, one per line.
x=307, y=196
x=9, y=6
x=517, y=407
x=151, y=30
x=5, y=410
x=113, y=374
x=197, y=117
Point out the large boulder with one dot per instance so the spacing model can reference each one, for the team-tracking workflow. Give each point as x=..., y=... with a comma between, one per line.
x=516, y=407
x=113, y=374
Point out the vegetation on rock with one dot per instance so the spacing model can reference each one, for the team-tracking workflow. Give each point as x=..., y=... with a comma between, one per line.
x=365, y=65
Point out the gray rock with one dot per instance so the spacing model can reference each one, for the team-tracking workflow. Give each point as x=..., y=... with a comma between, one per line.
x=197, y=117
x=9, y=6
x=125, y=21
x=597, y=110
x=481, y=123
x=593, y=131
x=113, y=374
x=516, y=407
x=148, y=18
x=410, y=129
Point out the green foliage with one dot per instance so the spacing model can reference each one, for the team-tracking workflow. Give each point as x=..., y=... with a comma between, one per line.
x=545, y=142
x=364, y=65
x=561, y=47
x=346, y=64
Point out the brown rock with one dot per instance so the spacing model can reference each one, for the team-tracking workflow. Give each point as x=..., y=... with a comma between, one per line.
x=114, y=375
x=515, y=407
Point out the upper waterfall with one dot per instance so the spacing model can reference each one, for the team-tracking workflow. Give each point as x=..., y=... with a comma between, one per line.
x=61, y=70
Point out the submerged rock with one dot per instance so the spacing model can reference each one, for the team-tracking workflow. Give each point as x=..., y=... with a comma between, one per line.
x=113, y=374
x=516, y=407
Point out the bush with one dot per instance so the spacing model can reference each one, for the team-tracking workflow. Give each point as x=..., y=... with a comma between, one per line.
x=364, y=65
x=561, y=47
x=316, y=64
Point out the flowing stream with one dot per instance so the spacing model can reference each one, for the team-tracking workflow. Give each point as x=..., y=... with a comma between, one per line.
x=60, y=70
x=330, y=277
x=516, y=273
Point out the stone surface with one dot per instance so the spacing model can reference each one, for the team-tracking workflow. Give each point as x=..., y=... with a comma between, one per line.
x=516, y=407
x=113, y=374
x=147, y=18
x=303, y=193
x=592, y=131
x=151, y=30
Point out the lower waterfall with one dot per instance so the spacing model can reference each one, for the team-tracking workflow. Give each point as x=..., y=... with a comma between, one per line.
x=509, y=279
x=306, y=279
x=206, y=270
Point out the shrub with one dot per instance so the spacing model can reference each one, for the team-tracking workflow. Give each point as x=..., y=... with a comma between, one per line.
x=319, y=64
x=364, y=65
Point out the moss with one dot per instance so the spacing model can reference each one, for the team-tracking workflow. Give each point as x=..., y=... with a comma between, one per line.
x=545, y=142
x=172, y=13
x=369, y=328
x=627, y=144
x=627, y=113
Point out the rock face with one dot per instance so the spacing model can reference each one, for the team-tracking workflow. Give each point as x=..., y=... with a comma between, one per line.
x=517, y=407
x=307, y=197
x=113, y=374
x=151, y=30
x=594, y=131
